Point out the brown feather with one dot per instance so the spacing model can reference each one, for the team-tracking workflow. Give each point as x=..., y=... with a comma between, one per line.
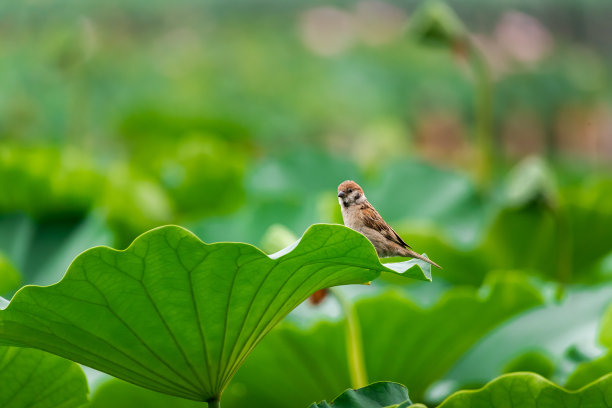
x=372, y=219
x=410, y=252
x=349, y=185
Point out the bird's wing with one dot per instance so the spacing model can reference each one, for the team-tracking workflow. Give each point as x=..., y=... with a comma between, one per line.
x=372, y=219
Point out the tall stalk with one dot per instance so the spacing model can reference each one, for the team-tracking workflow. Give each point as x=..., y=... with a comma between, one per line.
x=354, y=345
x=483, y=115
x=436, y=23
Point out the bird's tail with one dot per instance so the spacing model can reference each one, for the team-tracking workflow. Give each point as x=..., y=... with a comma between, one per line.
x=422, y=258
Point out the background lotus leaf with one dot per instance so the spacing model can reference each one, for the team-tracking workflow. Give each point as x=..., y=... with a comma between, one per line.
x=527, y=390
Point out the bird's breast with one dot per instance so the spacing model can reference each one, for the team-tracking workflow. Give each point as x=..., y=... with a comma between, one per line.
x=351, y=218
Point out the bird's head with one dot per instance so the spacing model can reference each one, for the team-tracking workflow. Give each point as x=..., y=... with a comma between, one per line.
x=349, y=193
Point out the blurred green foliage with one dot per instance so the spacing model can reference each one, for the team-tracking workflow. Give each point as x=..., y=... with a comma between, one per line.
x=532, y=361
x=589, y=371
x=9, y=277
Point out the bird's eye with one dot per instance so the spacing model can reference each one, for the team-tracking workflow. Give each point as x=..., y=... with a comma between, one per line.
x=350, y=190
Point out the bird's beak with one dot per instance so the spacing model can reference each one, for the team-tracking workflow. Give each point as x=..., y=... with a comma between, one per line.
x=341, y=194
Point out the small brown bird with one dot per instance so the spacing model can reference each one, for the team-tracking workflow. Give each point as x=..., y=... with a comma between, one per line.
x=359, y=215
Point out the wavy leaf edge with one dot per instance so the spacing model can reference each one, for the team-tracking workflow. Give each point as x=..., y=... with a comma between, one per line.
x=409, y=268
x=361, y=398
x=397, y=268
x=522, y=376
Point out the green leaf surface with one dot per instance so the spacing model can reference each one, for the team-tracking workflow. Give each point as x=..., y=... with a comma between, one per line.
x=120, y=394
x=562, y=240
x=589, y=371
x=420, y=345
x=527, y=390
x=605, y=334
x=402, y=342
x=551, y=329
x=589, y=219
x=508, y=246
x=9, y=277
x=377, y=395
x=303, y=365
x=34, y=379
x=533, y=361
x=176, y=315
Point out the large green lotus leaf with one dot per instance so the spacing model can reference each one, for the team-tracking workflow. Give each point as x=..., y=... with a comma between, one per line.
x=530, y=237
x=589, y=219
x=176, y=315
x=524, y=238
x=562, y=238
x=401, y=342
x=527, y=390
x=377, y=395
x=420, y=345
x=551, y=330
x=589, y=371
x=34, y=379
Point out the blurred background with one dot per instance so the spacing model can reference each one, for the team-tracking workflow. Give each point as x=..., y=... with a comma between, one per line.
x=481, y=131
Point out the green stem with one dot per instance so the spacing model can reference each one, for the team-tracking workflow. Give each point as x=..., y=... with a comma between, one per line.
x=484, y=117
x=354, y=345
x=564, y=258
x=215, y=403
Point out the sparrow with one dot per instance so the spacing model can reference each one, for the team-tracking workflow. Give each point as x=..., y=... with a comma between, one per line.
x=359, y=215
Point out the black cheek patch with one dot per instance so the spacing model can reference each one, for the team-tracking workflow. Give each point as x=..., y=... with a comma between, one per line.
x=357, y=196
